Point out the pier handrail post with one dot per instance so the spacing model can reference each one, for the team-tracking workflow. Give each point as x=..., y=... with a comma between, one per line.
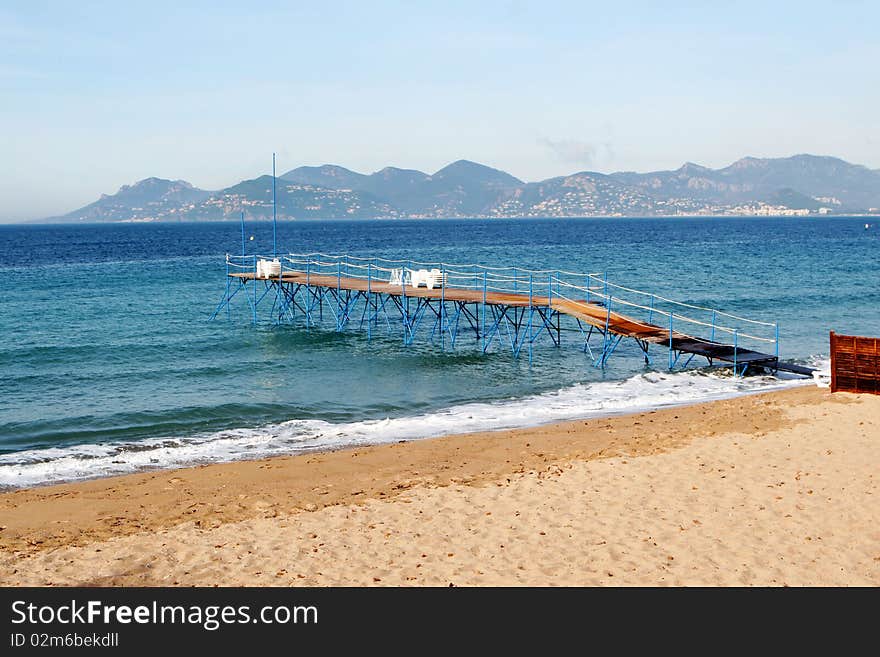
x=515, y=287
x=531, y=312
x=606, y=339
x=442, y=306
x=340, y=309
x=549, y=319
x=483, y=316
x=255, y=289
x=714, y=317
x=369, y=298
x=404, y=303
x=589, y=278
x=608, y=314
x=651, y=311
x=735, y=349
x=280, y=290
x=671, y=361
x=308, y=292
x=228, y=311
x=605, y=279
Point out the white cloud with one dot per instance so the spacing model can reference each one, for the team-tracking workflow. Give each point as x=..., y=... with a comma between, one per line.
x=583, y=153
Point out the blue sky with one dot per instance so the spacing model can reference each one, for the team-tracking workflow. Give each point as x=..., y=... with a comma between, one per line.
x=94, y=95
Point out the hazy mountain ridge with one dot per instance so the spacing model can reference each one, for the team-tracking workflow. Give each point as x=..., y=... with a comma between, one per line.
x=149, y=197
x=800, y=184
x=754, y=179
x=462, y=188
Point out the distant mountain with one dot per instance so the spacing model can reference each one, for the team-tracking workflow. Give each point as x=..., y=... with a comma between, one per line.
x=801, y=184
x=461, y=188
x=578, y=195
x=328, y=175
x=465, y=172
x=755, y=179
x=254, y=198
x=151, y=197
x=403, y=188
x=792, y=199
x=465, y=188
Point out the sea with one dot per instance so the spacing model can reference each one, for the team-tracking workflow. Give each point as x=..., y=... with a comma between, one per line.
x=109, y=363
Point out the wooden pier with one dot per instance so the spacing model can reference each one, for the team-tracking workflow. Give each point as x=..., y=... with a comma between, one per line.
x=523, y=303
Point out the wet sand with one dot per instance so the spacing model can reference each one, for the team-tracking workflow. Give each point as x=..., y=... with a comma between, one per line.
x=771, y=489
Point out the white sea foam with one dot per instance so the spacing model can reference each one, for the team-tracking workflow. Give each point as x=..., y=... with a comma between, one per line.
x=640, y=392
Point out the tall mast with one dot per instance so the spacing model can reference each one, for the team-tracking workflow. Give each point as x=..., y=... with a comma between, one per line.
x=274, y=216
x=242, y=234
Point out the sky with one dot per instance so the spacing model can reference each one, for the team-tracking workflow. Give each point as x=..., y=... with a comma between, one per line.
x=95, y=95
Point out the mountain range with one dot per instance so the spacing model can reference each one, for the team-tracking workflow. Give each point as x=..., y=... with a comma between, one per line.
x=801, y=184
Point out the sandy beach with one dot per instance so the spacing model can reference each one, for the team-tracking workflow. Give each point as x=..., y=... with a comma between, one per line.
x=773, y=489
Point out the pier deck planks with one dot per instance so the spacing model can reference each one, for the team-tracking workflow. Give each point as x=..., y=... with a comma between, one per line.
x=593, y=313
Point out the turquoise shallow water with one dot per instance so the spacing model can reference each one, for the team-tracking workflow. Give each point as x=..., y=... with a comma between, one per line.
x=109, y=363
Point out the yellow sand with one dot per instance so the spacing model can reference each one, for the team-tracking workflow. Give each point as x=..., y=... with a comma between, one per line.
x=776, y=489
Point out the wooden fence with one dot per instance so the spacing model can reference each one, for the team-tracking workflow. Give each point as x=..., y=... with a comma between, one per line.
x=855, y=364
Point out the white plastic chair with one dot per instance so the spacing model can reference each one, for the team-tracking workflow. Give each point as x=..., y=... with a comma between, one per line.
x=436, y=278
x=268, y=268
x=430, y=279
x=419, y=277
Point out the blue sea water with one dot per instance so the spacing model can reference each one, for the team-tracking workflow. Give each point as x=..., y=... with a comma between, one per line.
x=109, y=363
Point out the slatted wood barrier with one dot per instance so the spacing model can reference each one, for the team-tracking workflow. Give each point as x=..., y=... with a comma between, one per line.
x=855, y=364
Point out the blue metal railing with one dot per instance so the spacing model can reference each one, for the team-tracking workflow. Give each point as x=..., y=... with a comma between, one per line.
x=547, y=287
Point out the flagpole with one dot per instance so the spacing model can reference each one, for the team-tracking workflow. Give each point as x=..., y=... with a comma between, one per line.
x=274, y=216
